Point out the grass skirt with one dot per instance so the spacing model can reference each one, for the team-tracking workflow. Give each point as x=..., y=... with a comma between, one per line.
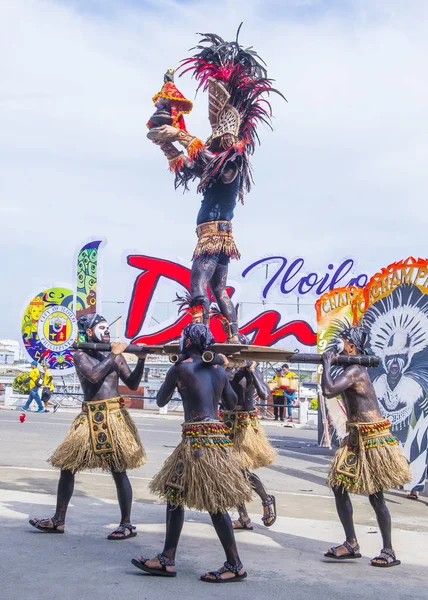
x=204, y=471
x=369, y=459
x=103, y=436
x=249, y=439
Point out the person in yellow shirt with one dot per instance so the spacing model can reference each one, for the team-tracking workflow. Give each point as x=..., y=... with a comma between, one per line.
x=289, y=391
x=35, y=381
x=48, y=388
x=278, y=395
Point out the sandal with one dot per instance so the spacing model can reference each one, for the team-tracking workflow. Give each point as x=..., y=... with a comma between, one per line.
x=162, y=572
x=385, y=564
x=413, y=496
x=224, y=569
x=121, y=529
x=271, y=504
x=245, y=524
x=353, y=552
x=37, y=524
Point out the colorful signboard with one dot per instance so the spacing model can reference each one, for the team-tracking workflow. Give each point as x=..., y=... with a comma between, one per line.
x=394, y=309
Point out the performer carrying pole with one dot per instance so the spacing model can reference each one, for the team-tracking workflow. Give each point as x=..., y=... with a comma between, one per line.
x=369, y=459
x=103, y=435
x=237, y=82
x=204, y=472
x=249, y=438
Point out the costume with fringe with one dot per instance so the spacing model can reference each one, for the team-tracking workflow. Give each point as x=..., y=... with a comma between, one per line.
x=103, y=436
x=204, y=472
x=249, y=439
x=369, y=459
x=215, y=237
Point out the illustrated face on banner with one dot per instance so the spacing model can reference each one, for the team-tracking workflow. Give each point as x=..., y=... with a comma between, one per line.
x=49, y=324
x=398, y=326
x=49, y=328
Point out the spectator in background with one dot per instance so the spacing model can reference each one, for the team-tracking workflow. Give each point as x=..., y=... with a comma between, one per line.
x=278, y=395
x=289, y=391
x=35, y=382
x=48, y=388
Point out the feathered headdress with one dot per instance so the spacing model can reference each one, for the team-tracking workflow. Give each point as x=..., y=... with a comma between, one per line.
x=357, y=334
x=237, y=82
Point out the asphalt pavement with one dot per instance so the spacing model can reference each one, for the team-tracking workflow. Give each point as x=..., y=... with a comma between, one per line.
x=285, y=561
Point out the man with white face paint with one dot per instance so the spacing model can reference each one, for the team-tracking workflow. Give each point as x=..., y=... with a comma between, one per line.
x=103, y=435
x=369, y=459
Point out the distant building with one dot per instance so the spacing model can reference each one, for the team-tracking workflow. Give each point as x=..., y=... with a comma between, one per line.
x=11, y=346
x=7, y=357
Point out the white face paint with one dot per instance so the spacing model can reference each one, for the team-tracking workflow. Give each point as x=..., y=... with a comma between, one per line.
x=101, y=332
x=339, y=345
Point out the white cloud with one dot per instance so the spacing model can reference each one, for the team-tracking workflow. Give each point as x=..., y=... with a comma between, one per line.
x=343, y=173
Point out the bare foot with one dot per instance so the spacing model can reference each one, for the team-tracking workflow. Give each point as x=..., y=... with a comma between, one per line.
x=154, y=563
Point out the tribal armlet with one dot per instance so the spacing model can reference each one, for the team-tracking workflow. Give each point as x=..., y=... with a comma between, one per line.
x=192, y=144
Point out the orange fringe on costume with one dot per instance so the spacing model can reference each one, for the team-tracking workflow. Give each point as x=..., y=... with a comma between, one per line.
x=194, y=148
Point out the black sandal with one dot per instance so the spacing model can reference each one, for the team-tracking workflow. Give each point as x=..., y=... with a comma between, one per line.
x=36, y=523
x=121, y=529
x=353, y=552
x=272, y=512
x=385, y=564
x=162, y=572
x=245, y=525
x=226, y=567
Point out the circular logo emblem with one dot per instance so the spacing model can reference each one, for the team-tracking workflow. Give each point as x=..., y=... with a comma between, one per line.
x=49, y=328
x=57, y=328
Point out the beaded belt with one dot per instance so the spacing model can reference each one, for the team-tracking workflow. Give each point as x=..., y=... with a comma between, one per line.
x=98, y=417
x=209, y=434
x=240, y=419
x=221, y=228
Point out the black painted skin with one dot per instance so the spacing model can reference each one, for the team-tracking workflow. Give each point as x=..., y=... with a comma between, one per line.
x=99, y=374
x=359, y=397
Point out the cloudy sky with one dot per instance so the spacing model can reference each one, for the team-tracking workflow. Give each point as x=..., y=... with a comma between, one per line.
x=343, y=174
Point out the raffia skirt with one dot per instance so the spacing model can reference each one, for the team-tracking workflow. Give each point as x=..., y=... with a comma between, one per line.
x=204, y=472
x=249, y=439
x=369, y=459
x=103, y=436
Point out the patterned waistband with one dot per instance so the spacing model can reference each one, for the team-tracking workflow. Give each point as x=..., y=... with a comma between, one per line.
x=108, y=404
x=218, y=228
x=240, y=419
x=367, y=430
x=208, y=429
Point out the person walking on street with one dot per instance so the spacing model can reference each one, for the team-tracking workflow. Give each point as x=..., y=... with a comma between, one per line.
x=35, y=381
x=289, y=391
x=278, y=395
x=48, y=388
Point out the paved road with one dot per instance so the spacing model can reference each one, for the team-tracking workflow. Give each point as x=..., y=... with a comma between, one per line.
x=285, y=561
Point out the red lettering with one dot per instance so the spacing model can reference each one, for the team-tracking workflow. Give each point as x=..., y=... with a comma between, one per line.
x=268, y=333
x=265, y=325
